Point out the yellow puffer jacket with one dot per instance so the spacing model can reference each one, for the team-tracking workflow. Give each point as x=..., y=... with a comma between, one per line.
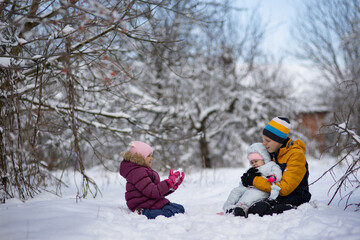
x=292, y=161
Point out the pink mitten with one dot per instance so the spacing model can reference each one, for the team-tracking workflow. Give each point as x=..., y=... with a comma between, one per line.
x=179, y=180
x=172, y=179
x=272, y=178
x=176, y=176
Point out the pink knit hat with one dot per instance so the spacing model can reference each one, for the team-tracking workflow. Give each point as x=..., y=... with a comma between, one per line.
x=254, y=155
x=140, y=148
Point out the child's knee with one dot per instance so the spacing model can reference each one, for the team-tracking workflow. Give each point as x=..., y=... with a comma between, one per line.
x=175, y=208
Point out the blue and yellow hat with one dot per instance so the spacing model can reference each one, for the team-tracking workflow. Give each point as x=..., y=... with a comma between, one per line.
x=278, y=129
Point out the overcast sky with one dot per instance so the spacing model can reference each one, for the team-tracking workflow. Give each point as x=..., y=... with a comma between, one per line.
x=279, y=14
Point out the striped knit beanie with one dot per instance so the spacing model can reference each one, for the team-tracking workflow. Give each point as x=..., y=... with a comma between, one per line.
x=278, y=129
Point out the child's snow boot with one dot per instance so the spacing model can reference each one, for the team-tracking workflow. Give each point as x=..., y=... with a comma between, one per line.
x=241, y=210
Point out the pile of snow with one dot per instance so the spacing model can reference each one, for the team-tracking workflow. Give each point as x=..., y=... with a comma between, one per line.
x=202, y=194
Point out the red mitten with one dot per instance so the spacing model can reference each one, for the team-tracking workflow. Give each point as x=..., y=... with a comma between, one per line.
x=179, y=180
x=177, y=176
x=172, y=179
x=271, y=178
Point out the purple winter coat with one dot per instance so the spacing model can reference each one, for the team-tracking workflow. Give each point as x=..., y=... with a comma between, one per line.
x=143, y=187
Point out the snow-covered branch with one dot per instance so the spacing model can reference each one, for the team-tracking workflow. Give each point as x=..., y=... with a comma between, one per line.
x=63, y=108
x=343, y=129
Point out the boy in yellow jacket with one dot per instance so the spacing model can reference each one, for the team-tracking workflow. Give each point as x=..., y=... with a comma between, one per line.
x=290, y=156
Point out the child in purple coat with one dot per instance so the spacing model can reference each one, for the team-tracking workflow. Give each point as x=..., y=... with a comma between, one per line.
x=145, y=193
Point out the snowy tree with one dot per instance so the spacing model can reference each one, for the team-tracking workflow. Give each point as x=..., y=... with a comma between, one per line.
x=215, y=86
x=81, y=79
x=347, y=145
x=328, y=36
x=69, y=90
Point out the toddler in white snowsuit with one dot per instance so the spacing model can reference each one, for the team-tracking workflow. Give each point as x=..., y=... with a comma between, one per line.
x=241, y=197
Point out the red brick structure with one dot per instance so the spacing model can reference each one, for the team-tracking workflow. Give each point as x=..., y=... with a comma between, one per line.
x=309, y=123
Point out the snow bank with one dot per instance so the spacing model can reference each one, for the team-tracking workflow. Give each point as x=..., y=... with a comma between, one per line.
x=202, y=194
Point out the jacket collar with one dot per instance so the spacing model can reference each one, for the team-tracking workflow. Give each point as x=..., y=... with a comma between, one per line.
x=135, y=158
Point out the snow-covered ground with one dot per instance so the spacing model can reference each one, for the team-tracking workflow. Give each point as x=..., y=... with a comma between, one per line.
x=202, y=194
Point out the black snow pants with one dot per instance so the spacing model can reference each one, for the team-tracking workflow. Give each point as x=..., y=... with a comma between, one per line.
x=269, y=207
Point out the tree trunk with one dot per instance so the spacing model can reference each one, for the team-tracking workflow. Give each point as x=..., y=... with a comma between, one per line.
x=206, y=162
x=3, y=170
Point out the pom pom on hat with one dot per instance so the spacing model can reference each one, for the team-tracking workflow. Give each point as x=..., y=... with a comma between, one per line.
x=140, y=148
x=278, y=129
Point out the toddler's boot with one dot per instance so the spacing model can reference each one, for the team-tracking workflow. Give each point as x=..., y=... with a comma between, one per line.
x=241, y=210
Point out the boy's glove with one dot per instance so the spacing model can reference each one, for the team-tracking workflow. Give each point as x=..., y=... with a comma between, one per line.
x=271, y=178
x=247, y=178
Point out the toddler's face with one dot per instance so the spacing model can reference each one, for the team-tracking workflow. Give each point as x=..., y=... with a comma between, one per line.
x=257, y=163
x=148, y=160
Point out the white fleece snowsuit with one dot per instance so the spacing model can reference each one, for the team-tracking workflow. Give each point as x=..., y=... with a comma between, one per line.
x=246, y=196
